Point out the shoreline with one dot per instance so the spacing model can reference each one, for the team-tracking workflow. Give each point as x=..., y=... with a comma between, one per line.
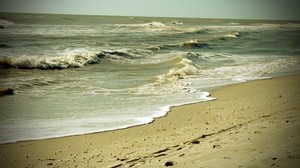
x=193, y=135
x=166, y=110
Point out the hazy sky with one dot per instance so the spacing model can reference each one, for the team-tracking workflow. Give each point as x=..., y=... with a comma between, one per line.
x=244, y=9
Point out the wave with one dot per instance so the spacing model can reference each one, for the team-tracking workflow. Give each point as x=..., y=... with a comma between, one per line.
x=196, y=30
x=209, y=57
x=171, y=28
x=4, y=23
x=156, y=24
x=172, y=81
x=151, y=24
x=194, y=44
x=47, y=62
x=187, y=30
x=125, y=55
x=234, y=35
x=254, y=70
x=70, y=59
x=290, y=26
x=230, y=36
x=187, y=44
x=73, y=59
x=256, y=27
x=185, y=68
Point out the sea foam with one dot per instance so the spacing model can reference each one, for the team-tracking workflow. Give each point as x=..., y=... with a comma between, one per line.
x=72, y=58
x=142, y=68
x=4, y=23
x=172, y=81
x=251, y=71
x=74, y=61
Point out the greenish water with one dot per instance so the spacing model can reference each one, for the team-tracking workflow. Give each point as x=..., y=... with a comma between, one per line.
x=81, y=74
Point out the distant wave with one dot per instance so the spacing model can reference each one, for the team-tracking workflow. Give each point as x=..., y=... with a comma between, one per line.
x=5, y=23
x=257, y=27
x=158, y=26
x=194, y=44
x=188, y=30
x=290, y=26
x=151, y=24
x=187, y=44
x=230, y=36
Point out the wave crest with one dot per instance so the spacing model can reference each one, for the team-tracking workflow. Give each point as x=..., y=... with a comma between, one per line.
x=185, y=68
x=188, y=44
x=4, y=23
x=233, y=35
x=122, y=54
x=172, y=81
x=151, y=24
x=72, y=60
x=194, y=44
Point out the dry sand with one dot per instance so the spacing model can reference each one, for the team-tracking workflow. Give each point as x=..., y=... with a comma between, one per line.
x=254, y=124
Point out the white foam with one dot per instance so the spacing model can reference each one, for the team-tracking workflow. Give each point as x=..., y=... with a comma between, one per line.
x=179, y=30
x=256, y=27
x=193, y=43
x=70, y=59
x=156, y=24
x=5, y=23
x=255, y=69
x=172, y=81
x=234, y=35
x=143, y=25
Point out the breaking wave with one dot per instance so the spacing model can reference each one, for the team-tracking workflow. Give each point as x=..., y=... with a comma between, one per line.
x=185, y=68
x=74, y=59
x=187, y=30
x=68, y=59
x=33, y=62
x=233, y=35
x=123, y=55
x=5, y=23
x=172, y=81
x=143, y=25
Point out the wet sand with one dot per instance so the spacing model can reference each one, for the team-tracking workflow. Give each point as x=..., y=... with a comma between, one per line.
x=254, y=124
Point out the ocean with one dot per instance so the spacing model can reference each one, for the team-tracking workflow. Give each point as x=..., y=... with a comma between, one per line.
x=75, y=74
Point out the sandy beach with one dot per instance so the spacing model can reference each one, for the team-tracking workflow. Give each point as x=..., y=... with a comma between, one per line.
x=253, y=124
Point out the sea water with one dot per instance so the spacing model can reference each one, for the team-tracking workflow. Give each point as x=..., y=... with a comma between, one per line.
x=81, y=74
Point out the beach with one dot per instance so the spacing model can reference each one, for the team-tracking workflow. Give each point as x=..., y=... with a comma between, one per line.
x=253, y=124
x=86, y=74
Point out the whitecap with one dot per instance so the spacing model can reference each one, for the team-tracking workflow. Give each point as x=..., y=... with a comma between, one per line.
x=234, y=35
x=4, y=23
x=70, y=59
x=173, y=80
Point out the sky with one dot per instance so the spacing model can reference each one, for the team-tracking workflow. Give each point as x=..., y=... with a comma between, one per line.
x=233, y=9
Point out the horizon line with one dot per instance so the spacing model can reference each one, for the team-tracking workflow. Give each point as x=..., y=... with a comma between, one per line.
x=111, y=15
